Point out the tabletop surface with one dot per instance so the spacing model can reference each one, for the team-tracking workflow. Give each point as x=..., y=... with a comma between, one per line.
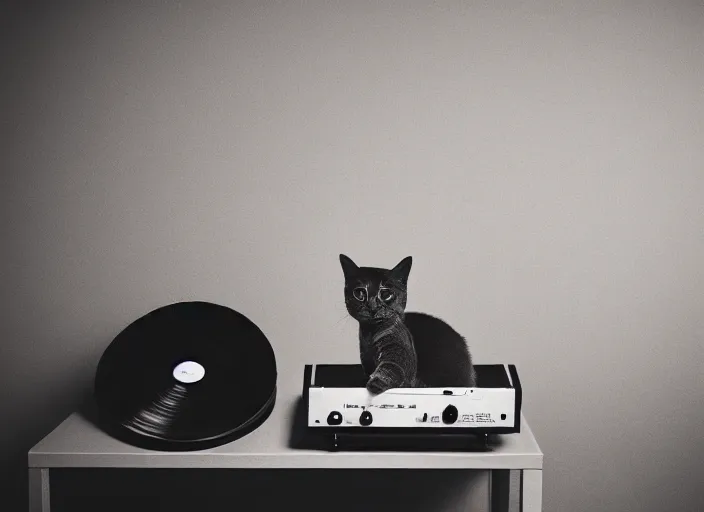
x=78, y=443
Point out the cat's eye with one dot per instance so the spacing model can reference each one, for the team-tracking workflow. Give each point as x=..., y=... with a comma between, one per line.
x=360, y=293
x=386, y=295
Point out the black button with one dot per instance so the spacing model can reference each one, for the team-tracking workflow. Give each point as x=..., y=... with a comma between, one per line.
x=447, y=392
x=425, y=416
x=503, y=416
x=449, y=415
x=334, y=418
x=365, y=418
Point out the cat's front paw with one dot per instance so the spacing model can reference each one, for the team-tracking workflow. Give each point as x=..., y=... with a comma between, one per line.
x=385, y=377
x=376, y=385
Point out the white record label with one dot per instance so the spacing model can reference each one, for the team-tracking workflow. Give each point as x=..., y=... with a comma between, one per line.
x=189, y=372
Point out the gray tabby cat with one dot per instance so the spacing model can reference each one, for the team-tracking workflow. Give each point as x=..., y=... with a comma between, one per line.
x=400, y=349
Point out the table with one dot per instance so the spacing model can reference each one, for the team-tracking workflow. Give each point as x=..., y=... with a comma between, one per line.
x=78, y=443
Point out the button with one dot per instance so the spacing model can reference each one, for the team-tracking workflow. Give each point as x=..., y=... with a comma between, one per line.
x=449, y=415
x=334, y=418
x=365, y=418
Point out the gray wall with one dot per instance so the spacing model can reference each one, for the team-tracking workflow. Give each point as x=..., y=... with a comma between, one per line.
x=544, y=165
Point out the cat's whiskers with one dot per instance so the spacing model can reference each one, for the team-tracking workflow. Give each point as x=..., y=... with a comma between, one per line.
x=345, y=316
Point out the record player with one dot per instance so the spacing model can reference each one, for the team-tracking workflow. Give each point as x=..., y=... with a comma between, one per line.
x=340, y=408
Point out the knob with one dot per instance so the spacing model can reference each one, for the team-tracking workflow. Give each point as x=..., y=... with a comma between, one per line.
x=449, y=415
x=365, y=418
x=334, y=418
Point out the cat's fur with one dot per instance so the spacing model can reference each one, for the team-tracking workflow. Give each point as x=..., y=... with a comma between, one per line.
x=400, y=349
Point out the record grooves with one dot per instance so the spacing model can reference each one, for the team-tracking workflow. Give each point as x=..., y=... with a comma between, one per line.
x=186, y=376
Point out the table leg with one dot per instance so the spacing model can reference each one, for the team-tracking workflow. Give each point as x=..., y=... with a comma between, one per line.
x=500, y=490
x=39, y=491
x=531, y=490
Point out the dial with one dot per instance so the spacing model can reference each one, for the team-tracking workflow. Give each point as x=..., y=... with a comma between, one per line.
x=365, y=419
x=449, y=415
x=334, y=418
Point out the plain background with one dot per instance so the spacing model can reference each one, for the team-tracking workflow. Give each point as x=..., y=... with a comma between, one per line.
x=542, y=162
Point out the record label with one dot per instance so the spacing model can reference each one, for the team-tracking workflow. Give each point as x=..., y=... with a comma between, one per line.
x=188, y=372
x=200, y=375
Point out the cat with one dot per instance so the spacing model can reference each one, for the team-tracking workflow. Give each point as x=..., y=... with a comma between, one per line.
x=398, y=348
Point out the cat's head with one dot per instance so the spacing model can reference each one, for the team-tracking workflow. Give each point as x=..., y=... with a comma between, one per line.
x=373, y=294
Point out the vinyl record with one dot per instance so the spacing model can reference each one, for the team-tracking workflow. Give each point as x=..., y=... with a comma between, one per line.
x=186, y=376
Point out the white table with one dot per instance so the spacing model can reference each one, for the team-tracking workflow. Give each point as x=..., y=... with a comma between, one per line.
x=78, y=443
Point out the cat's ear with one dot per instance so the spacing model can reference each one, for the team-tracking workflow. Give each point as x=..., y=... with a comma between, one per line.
x=348, y=266
x=402, y=270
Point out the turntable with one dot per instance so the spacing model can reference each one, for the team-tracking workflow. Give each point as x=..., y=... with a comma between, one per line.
x=340, y=408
